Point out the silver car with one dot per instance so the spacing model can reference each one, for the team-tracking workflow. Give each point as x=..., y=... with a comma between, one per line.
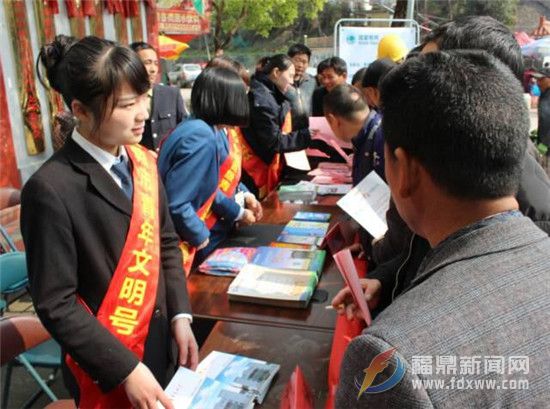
x=183, y=75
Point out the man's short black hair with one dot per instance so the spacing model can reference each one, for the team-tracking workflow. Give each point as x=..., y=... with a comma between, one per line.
x=219, y=97
x=137, y=46
x=376, y=72
x=296, y=49
x=358, y=76
x=461, y=114
x=481, y=33
x=336, y=63
x=344, y=101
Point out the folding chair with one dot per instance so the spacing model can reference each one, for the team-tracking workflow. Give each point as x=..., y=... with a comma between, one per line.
x=26, y=342
x=13, y=275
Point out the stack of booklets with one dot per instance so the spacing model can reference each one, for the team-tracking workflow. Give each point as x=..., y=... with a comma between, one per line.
x=305, y=229
x=332, y=178
x=222, y=381
x=302, y=192
x=227, y=261
x=279, y=276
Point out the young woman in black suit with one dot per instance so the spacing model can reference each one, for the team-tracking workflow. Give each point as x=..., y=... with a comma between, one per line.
x=103, y=258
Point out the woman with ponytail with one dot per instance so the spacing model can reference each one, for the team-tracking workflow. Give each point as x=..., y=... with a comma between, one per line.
x=270, y=131
x=104, y=265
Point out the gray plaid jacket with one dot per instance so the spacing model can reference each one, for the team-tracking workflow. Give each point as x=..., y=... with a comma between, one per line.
x=478, y=300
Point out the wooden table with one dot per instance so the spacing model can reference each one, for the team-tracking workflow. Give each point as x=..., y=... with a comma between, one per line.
x=209, y=300
x=208, y=294
x=284, y=346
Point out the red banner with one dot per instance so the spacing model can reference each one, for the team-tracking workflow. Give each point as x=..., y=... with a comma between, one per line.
x=9, y=177
x=30, y=105
x=152, y=24
x=183, y=21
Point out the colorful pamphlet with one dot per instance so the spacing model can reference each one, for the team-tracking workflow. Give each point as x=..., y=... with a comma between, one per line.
x=293, y=246
x=312, y=216
x=250, y=375
x=189, y=390
x=227, y=261
x=222, y=381
x=270, y=286
x=297, y=239
x=290, y=259
x=302, y=228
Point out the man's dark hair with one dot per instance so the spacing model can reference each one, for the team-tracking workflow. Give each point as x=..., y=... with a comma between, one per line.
x=358, y=76
x=219, y=97
x=376, y=71
x=344, y=101
x=226, y=62
x=296, y=49
x=137, y=46
x=481, y=33
x=92, y=71
x=461, y=114
x=336, y=63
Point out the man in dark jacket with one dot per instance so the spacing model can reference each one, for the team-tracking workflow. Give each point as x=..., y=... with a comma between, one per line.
x=166, y=107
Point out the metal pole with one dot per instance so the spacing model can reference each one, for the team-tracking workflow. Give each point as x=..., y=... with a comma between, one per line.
x=410, y=11
x=206, y=46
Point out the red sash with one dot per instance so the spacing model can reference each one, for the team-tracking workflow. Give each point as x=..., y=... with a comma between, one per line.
x=230, y=175
x=130, y=299
x=266, y=177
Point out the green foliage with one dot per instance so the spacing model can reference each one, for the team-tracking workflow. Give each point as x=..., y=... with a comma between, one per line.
x=260, y=16
x=502, y=10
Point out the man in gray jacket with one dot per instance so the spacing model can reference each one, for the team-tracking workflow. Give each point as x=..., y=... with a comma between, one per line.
x=473, y=327
x=300, y=94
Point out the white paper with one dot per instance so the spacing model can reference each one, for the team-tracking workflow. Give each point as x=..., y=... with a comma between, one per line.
x=333, y=189
x=297, y=160
x=368, y=203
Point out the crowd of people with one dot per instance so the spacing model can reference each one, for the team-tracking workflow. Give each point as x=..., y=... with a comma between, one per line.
x=142, y=190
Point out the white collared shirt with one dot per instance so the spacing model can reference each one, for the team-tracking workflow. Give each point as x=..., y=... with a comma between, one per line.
x=104, y=158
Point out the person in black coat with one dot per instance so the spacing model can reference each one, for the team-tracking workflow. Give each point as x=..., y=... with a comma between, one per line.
x=269, y=133
x=75, y=217
x=166, y=107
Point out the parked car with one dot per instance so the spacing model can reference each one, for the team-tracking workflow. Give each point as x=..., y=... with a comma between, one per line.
x=183, y=75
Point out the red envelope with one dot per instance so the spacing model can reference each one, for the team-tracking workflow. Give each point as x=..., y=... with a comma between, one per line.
x=346, y=266
x=297, y=394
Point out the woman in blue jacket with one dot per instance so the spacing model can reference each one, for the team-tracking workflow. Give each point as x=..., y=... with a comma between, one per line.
x=201, y=168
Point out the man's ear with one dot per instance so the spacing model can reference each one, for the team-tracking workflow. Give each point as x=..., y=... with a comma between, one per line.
x=407, y=171
x=332, y=120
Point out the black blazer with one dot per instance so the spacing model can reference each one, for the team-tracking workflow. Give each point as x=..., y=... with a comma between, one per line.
x=167, y=111
x=74, y=221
